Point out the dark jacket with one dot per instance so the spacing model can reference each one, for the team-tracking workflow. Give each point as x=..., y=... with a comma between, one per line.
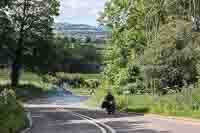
x=109, y=97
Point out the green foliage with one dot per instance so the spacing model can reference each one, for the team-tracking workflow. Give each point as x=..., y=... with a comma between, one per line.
x=25, y=25
x=88, y=39
x=155, y=50
x=185, y=103
x=121, y=103
x=91, y=81
x=138, y=110
x=128, y=43
x=96, y=100
x=153, y=45
x=73, y=57
x=173, y=59
x=12, y=115
x=25, y=76
x=31, y=85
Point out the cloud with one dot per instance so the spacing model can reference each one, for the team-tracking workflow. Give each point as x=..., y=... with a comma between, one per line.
x=71, y=9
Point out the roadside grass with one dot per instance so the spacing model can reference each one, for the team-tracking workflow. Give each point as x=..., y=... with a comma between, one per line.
x=29, y=90
x=12, y=114
x=182, y=104
x=78, y=75
x=137, y=110
x=81, y=91
x=25, y=76
x=31, y=85
x=4, y=75
x=96, y=99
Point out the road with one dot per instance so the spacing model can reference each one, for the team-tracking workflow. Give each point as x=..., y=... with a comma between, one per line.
x=67, y=118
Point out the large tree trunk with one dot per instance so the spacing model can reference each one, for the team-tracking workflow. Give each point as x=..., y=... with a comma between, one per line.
x=11, y=130
x=17, y=63
x=15, y=74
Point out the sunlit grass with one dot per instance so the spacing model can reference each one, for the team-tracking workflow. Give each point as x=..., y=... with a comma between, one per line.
x=84, y=76
x=180, y=104
x=25, y=76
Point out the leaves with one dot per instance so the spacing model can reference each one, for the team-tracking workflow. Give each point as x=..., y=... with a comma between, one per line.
x=27, y=25
x=152, y=40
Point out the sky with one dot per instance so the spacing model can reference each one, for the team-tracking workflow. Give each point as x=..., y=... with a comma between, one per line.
x=80, y=11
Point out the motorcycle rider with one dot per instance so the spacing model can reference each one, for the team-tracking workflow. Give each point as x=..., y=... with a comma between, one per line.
x=109, y=103
x=109, y=97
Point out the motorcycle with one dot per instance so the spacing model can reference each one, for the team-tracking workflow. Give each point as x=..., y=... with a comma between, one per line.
x=109, y=106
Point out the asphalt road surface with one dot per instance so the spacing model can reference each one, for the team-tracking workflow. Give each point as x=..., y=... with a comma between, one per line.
x=54, y=118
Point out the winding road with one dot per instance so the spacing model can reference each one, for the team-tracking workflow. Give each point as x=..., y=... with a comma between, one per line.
x=62, y=113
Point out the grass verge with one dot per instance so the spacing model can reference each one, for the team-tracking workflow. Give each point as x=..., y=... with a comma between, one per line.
x=12, y=114
x=81, y=91
x=183, y=104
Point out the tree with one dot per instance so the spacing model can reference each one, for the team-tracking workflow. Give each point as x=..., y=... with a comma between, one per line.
x=172, y=56
x=73, y=40
x=30, y=22
x=66, y=39
x=126, y=19
x=5, y=3
x=88, y=39
x=173, y=59
x=154, y=37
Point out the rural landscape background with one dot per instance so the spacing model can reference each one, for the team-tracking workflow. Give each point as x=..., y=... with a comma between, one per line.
x=146, y=52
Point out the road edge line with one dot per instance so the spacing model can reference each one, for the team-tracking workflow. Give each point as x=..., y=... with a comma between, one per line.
x=190, y=120
x=29, y=117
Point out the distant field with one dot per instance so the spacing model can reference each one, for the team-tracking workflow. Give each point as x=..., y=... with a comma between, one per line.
x=29, y=76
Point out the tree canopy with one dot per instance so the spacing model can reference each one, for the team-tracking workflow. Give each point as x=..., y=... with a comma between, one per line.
x=153, y=43
x=26, y=26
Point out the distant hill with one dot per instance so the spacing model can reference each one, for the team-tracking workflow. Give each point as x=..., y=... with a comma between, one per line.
x=82, y=30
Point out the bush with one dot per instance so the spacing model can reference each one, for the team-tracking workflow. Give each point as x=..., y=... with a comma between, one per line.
x=49, y=79
x=131, y=87
x=92, y=83
x=12, y=115
x=78, y=80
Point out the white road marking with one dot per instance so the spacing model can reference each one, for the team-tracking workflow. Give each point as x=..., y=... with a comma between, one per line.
x=26, y=130
x=100, y=123
x=97, y=123
x=90, y=121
